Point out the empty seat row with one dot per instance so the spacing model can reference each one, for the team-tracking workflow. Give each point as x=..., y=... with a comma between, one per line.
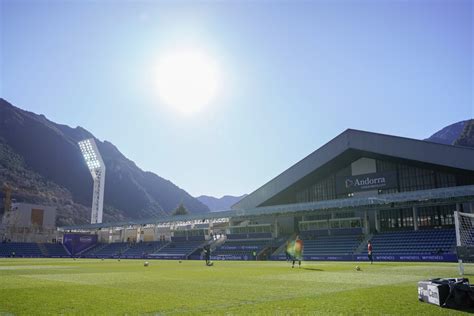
x=421, y=241
x=20, y=250
x=182, y=248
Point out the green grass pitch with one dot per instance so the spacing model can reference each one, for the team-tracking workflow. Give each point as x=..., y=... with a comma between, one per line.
x=91, y=287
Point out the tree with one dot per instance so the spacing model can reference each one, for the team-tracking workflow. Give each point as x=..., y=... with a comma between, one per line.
x=180, y=210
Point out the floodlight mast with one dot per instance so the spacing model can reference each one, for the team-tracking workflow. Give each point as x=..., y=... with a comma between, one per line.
x=96, y=166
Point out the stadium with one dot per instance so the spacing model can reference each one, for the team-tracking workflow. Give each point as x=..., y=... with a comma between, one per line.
x=236, y=157
x=401, y=194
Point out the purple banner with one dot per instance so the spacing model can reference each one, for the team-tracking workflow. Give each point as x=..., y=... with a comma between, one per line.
x=166, y=256
x=232, y=257
x=76, y=243
x=449, y=257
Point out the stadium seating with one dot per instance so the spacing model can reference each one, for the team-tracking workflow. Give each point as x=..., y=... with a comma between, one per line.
x=234, y=248
x=177, y=249
x=142, y=249
x=407, y=242
x=332, y=245
x=427, y=242
x=106, y=250
x=55, y=250
x=20, y=249
x=311, y=234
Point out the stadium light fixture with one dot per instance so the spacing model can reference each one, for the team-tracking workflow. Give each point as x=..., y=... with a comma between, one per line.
x=96, y=166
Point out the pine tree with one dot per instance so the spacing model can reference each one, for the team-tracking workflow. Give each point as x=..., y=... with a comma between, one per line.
x=180, y=210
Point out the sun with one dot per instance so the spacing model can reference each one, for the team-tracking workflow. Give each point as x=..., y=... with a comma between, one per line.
x=187, y=80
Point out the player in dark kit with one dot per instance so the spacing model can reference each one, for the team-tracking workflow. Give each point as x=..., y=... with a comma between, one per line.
x=287, y=253
x=369, y=252
x=207, y=254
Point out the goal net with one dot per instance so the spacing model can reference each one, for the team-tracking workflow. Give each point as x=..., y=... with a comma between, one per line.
x=464, y=224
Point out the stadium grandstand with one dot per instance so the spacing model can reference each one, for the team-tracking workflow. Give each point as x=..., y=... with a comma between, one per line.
x=399, y=193
x=33, y=250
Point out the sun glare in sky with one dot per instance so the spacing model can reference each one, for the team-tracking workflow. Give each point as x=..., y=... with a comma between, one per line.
x=187, y=80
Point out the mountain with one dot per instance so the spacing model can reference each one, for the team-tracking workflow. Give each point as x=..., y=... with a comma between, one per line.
x=222, y=204
x=449, y=134
x=467, y=136
x=42, y=162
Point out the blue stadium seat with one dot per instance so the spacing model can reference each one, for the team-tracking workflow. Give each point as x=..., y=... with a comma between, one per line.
x=331, y=245
x=177, y=249
x=20, y=249
x=106, y=250
x=432, y=241
x=56, y=250
x=142, y=249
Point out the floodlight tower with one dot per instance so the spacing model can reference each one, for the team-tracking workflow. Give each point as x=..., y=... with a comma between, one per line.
x=96, y=166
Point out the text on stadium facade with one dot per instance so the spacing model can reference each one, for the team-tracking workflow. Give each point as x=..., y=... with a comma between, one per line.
x=363, y=182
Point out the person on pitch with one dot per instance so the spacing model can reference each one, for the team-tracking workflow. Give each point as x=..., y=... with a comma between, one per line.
x=369, y=252
x=287, y=251
x=298, y=251
x=207, y=254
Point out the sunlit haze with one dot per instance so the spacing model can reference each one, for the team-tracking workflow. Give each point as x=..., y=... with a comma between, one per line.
x=187, y=80
x=220, y=97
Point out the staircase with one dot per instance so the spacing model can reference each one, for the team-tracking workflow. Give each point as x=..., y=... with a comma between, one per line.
x=163, y=246
x=281, y=248
x=217, y=242
x=95, y=248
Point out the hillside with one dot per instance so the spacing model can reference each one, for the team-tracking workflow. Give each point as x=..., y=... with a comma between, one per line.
x=222, y=204
x=459, y=133
x=41, y=160
x=467, y=136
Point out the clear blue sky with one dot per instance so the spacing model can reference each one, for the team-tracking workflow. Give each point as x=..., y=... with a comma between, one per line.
x=294, y=75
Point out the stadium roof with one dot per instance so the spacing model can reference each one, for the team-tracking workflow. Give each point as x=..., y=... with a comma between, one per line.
x=371, y=144
x=452, y=195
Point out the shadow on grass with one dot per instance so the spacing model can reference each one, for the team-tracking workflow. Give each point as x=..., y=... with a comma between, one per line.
x=312, y=269
x=469, y=310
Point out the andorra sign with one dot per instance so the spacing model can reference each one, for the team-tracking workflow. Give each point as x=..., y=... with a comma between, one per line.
x=366, y=182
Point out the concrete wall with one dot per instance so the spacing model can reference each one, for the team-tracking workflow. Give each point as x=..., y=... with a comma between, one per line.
x=363, y=166
x=103, y=236
x=149, y=234
x=20, y=216
x=286, y=225
x=130, y=234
